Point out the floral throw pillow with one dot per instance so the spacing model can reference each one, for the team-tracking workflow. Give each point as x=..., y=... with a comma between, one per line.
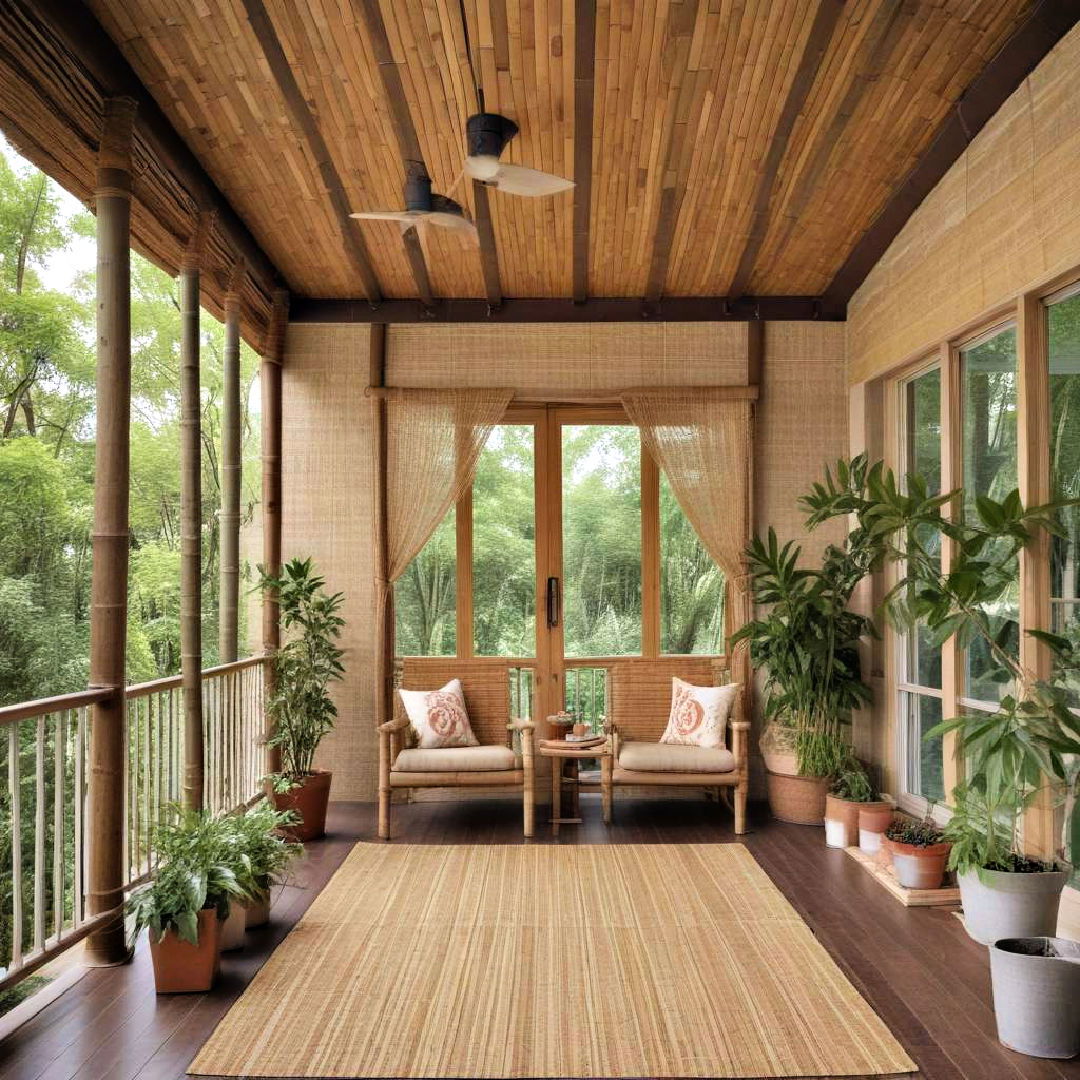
x=439, y=717
x=699, y=714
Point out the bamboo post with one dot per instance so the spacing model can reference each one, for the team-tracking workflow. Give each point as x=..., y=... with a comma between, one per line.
x=112, y=462
x=191, y=520
x=384, y=639
x=270, y=383
x=231, y=477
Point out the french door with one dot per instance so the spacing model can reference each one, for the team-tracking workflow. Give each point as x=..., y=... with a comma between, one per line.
x=568, y=554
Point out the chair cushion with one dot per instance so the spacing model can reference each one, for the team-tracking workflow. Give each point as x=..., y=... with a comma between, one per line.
x=639, y=756
x=458, y=759
x=439, y=717
x=699, y=714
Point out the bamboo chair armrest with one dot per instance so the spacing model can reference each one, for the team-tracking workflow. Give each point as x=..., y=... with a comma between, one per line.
x=611, y=730
x=394, y=725
x=739, y=739
x=521, y=724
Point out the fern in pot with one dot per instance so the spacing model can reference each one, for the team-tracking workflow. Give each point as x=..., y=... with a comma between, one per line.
x=807, y=644
x=1014, y=754
x=301, y=710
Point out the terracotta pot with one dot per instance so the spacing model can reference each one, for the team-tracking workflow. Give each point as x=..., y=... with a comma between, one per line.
x=873, y=821
x=258, y=912
x=232, y=930
x=918, y=867
x=798, y=799
x=842, y=819
x=309, y=800
x=183, y=968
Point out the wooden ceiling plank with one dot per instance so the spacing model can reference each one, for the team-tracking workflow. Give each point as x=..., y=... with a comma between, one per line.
x=584, y=56
x=1045, y=25
x=821, y=32
x=351, y=237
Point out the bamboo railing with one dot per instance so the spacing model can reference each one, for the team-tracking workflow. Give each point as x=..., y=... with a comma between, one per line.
x=44, y=831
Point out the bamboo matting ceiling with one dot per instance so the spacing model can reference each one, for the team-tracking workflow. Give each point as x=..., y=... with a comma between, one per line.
x=738, y=146
x=688, y=96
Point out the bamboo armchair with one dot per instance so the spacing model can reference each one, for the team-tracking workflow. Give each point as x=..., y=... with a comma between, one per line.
x=486, y=687
x=640, y=702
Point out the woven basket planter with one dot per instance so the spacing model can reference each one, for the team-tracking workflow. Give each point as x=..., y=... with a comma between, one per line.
x=798, y=799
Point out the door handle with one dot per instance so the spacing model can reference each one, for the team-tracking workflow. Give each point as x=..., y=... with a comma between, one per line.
x=554, y=602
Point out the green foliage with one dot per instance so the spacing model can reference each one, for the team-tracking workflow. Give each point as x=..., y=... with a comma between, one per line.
x=852, y=784
x=807, y=645
x=916, y=833
x=201, y=866
x=301, y=707
x=1034, y=735
x=267, y=856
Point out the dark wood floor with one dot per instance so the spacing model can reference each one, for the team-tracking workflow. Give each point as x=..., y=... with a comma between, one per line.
x=916, y=967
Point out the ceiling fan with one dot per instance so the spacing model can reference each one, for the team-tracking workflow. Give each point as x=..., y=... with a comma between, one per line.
x=487, y=135
x=423, y=207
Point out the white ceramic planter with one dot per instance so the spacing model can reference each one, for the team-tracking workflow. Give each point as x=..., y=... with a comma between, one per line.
x=1004, y=905
x=258, y=912
x=232, y=931
x=1037, y=995
x=835, y=833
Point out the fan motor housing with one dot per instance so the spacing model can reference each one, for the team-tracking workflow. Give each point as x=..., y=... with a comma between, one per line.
x=417, y=189
x=488, y=134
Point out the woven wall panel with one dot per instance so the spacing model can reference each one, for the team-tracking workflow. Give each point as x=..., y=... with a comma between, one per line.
x=1004, y=219
x=802, y=425
x=551, y=360
x=326, y=451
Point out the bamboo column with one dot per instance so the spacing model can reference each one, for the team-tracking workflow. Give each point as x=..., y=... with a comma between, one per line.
x=112, y=462
x=231, y=477
x=191, y=519
x=384, y=636
x=270, y=383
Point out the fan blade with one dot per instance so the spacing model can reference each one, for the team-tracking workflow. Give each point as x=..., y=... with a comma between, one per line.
x=387, y=215
x=518, y=180
x=453, y=222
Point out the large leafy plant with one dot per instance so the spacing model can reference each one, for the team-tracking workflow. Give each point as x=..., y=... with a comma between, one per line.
x=807, y=644
x=197, y=869
x=301, y=708
x=263, y=852
x=1034, y=736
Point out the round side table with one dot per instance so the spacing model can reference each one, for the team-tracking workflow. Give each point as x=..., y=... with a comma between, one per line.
x=562, y=753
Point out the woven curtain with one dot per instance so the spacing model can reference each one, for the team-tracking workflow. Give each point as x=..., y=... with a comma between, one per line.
x=703, y=441
x=433, y=440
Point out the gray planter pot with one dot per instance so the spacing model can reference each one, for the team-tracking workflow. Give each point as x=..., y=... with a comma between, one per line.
x=1037, y=995
x=1004, y=905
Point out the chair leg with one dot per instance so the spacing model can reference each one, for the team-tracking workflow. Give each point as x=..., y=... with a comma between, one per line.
x=606, y=766
x=529, y=800
x=740, y=810
x=384, y=785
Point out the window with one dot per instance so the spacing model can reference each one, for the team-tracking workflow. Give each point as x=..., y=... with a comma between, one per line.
x=922, y=763
x=989, y=405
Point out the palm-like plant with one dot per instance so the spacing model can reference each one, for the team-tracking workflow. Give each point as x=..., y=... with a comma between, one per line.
x=807, y=644
x=301, y=707
x=1012, y=752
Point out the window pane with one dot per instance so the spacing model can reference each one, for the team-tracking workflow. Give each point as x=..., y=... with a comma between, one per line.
x=926, y=771
x=923, y=442
x=601, y=466
x=425, y=597
x=1064, y=340
x=691, y=585
x=504, y=545
x=989, y=403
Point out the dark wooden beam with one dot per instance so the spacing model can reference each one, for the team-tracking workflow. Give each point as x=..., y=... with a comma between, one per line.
x=92, y=48
x=595, y=309
x=351, y=237
x=404, y=130
x=817, y=41
x=489, y=255
x=1045, y=25
x=584, y=67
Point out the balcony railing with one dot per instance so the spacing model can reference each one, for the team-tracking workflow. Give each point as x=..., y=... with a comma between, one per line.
x=43, y=816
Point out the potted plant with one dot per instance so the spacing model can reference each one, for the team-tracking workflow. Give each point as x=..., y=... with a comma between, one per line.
x=301, y=709
x=849, y=793
x=918, y=852
x=186, y=900
x=873, y=821
x=807, y=644
x=1012, y=753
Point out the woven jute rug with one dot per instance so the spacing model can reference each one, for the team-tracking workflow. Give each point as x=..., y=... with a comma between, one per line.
x=542, y=961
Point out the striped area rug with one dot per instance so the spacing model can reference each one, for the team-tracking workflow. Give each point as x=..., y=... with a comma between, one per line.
x=543, y=961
